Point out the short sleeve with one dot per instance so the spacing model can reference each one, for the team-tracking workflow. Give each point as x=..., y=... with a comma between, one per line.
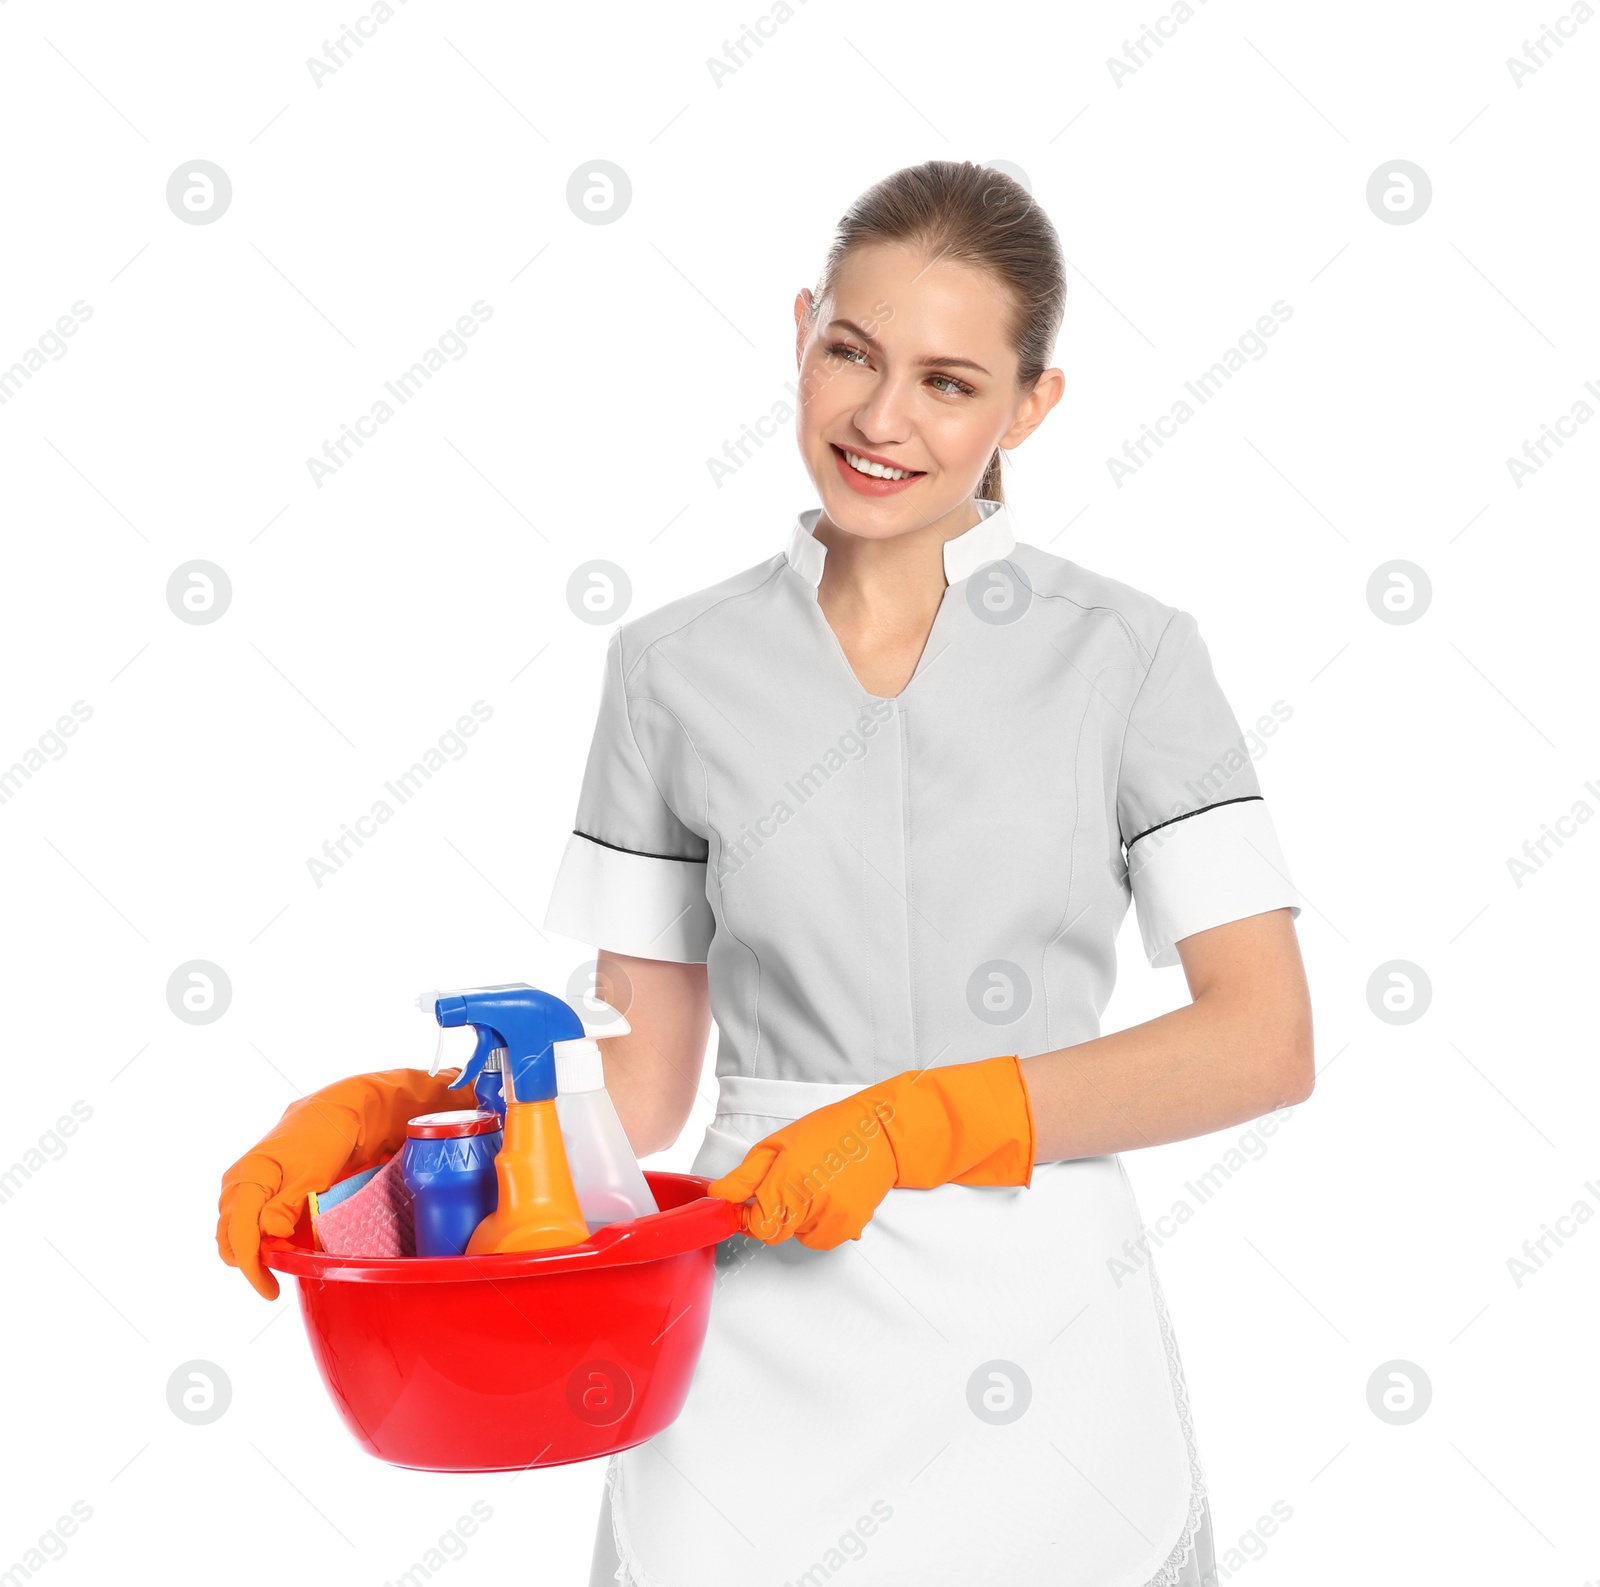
x=633, y=877
x=1200, y=844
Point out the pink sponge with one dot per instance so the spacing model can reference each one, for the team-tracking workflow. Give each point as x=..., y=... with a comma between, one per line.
x=374, y=1221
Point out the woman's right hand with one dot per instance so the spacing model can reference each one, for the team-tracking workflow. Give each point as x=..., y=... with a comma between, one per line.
x=321, y=1139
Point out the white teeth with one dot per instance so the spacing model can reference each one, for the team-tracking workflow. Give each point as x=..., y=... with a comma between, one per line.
x=877, y=470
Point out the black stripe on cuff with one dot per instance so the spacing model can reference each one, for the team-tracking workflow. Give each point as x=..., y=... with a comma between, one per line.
x=1242, y=799
x=690, y=859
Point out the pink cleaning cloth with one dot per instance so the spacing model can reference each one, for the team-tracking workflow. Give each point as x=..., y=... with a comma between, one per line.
x=375, y=1221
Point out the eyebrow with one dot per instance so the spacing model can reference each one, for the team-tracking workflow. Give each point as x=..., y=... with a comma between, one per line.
x=924, y=363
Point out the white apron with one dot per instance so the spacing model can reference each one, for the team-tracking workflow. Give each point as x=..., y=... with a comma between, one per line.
x=964, y=1395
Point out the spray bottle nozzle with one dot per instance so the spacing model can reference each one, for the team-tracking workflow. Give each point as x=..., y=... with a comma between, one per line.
x=520, y=1019
x=490, y=1048
x=579, y=1066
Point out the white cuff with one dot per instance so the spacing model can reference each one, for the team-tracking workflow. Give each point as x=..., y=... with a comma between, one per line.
x=1202, y=870
x=637, y=904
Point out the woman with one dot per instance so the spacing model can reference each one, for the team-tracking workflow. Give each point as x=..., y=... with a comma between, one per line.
x=878, y=804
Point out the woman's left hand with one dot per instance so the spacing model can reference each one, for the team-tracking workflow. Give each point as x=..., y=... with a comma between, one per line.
x=821, y=1178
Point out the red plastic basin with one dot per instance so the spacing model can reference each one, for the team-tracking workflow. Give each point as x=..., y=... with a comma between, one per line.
x=498, y=1363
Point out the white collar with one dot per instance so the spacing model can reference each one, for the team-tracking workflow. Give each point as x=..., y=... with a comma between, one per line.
x=988, y=540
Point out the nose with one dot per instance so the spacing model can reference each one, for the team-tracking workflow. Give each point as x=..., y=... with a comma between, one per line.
x=884, y=414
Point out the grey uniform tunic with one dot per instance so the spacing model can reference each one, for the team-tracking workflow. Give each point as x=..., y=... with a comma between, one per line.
x=881, y=884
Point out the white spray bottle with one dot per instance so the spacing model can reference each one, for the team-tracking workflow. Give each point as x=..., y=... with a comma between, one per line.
x=610, y=1184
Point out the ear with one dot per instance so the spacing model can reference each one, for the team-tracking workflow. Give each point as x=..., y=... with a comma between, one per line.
x=1046, y=393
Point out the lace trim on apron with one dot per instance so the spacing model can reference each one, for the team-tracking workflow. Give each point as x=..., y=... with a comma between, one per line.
x=1173, y=1573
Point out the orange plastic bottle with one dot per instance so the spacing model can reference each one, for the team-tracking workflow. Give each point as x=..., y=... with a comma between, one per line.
x=538, y=1206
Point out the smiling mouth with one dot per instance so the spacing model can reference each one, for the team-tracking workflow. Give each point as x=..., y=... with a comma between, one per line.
x=875, y=470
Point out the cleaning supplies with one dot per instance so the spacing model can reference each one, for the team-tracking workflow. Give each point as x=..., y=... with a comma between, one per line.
x=536, y=1205
x=368, y=1214
x=321, y=1201
x=448, y=1164
x=610, y=1184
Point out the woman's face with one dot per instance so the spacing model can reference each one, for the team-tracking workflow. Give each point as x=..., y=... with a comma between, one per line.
x=908, y=364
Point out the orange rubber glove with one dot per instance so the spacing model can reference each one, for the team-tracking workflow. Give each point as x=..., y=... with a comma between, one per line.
x=321, y=1139
x=821, y=1178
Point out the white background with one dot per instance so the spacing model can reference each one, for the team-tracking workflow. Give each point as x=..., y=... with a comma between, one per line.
x=368, y=613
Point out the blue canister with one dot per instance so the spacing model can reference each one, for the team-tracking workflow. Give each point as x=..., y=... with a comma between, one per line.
x=448, y=1167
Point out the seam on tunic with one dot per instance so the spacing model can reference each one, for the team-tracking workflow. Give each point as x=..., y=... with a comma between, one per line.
x=865, y=916
x=1072, y=868
x=1139, y=656
x=689, y=622
x=1127, y=628
x=780, y=562
x=647, y=699
x=755, y=959
x=711, y=827
x=905, y=861
x=1127, y=722
x=633, y=737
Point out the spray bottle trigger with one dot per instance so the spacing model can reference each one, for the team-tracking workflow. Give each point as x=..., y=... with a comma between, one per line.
x=489, y=1043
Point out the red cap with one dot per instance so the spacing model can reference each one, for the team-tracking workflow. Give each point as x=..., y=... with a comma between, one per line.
x=440, y=1126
